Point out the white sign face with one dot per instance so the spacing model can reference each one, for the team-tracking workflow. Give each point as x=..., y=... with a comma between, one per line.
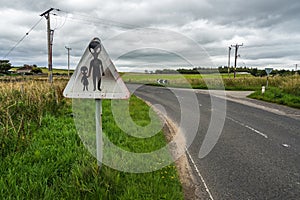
x=95, y=76
x=268, y=70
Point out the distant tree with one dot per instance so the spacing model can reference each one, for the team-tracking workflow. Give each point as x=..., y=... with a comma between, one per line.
x=4, y=66
x=254, y=72
x=165, y=71
x=36, y=70
x=262, y=73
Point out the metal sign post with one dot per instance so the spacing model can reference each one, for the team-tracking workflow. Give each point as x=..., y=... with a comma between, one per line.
x=268, y=71
x=98, y=117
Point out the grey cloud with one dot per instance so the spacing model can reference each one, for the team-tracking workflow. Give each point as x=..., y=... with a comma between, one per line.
x=29, y=5
x=269, y=29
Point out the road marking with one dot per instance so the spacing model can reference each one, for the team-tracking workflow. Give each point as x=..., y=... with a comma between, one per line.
x=286, y=145
x=199, y=174
x=249, y=127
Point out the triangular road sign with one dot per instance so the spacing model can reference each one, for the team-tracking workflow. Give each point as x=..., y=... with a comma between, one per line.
x=268, y=70
x=95, y=76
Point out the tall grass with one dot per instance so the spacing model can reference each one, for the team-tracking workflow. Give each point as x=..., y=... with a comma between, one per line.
x=281, y=90
x=291, y=86
x=22, y=107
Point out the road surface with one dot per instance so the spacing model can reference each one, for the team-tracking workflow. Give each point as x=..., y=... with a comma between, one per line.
x=257, y=155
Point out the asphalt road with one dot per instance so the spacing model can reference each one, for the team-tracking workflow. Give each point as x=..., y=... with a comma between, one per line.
x=256, y=155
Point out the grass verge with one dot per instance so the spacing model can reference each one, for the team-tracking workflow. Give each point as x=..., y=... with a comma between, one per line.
x=54, y=164
x=277, y=95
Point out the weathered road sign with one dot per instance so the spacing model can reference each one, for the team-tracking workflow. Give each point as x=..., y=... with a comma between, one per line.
x=268, y=70
x=95, y=76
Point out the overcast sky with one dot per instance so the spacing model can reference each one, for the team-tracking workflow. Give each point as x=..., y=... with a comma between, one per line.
x=144, y=34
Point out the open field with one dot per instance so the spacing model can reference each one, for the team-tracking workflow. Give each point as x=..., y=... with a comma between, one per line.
x=283, y=89
x=55, y=71
x=212, y=81
x=42, y=157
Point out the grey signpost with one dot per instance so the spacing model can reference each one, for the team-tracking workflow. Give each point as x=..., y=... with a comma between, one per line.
x=96, y=77
x=98, y=117
x=268, y=71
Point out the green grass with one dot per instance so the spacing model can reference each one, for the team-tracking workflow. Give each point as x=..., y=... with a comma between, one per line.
x=198, y=81
x=140, y=115
x=45, y=70
x=149, y=78
x=284, y=91
x=48, y=160
x=56, y=71
x=277, y=95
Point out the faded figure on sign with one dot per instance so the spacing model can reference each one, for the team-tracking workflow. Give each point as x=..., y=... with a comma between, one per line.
x=96, y=67
x=84, y=79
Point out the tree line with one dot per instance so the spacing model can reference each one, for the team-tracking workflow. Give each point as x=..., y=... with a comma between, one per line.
x=224, y=70
x=5, y=66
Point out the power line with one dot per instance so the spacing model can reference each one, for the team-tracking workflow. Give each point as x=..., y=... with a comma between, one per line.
x=83, y=18
x=97, y=20
x=26, y=34
x=57, y=27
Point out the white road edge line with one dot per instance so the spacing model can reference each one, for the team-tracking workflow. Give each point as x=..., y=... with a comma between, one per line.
x=249, y=127
x=199, y=174
x=256, y=131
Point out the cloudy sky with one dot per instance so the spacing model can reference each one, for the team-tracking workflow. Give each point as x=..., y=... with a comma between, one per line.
x=144, y=34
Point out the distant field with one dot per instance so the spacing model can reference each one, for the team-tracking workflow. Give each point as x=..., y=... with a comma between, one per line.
x=198, y=81
x=45, y=70
x=153, y=77
x=59, y=71
x=282, y=89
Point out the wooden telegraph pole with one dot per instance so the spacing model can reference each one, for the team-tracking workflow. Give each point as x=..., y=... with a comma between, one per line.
x=236, y=56
x=69, y=49
x=229, y=52
x=50, y=33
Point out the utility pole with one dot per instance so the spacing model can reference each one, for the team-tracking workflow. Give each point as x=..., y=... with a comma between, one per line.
x=229, y=53
x=236, y=46
x=68, y=48
x=296, y=69
x=50, y=33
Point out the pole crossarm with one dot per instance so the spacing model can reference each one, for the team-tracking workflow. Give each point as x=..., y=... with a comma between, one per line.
x=48, y=11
